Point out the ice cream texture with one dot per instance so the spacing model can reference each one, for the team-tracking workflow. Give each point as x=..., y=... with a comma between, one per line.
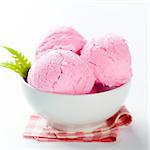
x=65, y=38
x=61, y=71
x=110, y=59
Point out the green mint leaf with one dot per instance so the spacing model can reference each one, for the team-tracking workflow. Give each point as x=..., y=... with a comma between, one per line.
x=21, y=64
x=12, y=66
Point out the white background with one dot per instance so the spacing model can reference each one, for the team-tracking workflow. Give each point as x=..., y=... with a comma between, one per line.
x=24, y=23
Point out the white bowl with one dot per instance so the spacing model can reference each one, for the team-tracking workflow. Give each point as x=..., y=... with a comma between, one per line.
x=76, y=112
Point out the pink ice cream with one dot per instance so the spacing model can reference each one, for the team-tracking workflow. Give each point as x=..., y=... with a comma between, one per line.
x=110, y=59
x=65, y=38
x=61, y=71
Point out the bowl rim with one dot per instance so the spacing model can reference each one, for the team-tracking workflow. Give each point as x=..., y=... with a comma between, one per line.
x=88, y=94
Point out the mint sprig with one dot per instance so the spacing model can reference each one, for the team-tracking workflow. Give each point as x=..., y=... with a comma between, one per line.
x=21, y=64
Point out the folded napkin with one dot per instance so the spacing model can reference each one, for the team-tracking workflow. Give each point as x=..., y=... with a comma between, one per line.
x=106, y=132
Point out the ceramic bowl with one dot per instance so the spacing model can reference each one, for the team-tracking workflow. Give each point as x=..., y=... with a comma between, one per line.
x=76, y=112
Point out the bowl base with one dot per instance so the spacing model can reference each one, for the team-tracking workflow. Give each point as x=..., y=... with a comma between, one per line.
x=76, y=128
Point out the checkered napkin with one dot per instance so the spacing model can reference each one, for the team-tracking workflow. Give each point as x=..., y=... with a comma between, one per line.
x=106, y=132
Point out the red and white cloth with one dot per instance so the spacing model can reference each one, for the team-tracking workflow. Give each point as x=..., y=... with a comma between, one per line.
x=106, y=132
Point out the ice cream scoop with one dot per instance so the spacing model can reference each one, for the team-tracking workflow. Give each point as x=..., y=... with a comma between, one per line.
x=61, y=71
x=65, y=38
x=110, y=59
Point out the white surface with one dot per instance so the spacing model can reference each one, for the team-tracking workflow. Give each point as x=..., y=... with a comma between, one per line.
x=24, y=23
